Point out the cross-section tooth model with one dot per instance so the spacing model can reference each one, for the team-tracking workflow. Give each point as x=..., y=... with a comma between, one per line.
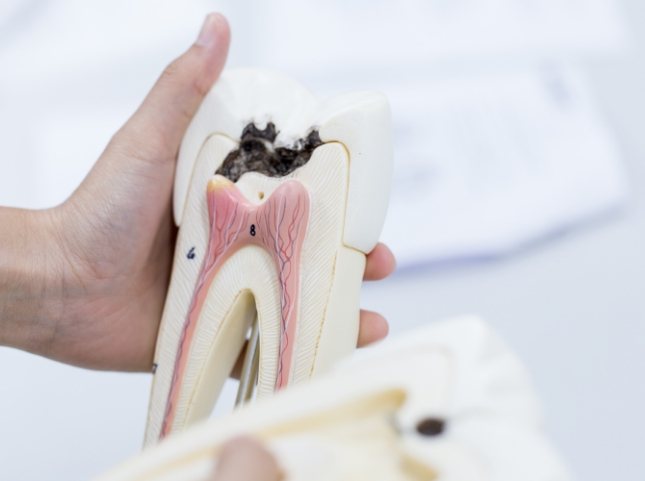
x=449, y=402
x=279, y=197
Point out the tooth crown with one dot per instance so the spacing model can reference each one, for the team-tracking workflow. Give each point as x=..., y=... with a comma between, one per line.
x=359, y=121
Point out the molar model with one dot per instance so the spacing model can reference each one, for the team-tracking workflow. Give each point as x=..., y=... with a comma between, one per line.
x=278, y=198
x=449, y=402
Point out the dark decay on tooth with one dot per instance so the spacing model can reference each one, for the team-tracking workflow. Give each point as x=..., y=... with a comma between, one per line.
x=257, y=153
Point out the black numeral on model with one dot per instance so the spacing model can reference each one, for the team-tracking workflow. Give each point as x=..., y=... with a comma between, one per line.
x=191, y=253
x=253, y=230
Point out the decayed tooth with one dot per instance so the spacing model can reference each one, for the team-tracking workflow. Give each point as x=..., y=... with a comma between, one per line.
x=287, y=239
x=239, y=97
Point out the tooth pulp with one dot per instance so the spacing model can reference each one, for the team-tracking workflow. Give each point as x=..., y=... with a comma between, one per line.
x=279, y=226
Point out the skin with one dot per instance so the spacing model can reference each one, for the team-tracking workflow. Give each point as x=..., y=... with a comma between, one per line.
x=245, y=459
x=85, y=282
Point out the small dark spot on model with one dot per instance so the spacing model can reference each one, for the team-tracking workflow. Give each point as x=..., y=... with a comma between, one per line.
x=431, y=427
x=154, y=367
x=191, y=253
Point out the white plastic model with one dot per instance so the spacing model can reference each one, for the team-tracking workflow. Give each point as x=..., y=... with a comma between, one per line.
x=279, y=197
x=449, y=402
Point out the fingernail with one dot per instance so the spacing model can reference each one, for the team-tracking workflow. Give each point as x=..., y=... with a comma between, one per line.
x=207, y=33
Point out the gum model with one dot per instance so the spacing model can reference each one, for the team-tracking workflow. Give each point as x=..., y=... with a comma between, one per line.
x=278, y=197
x=449, y=402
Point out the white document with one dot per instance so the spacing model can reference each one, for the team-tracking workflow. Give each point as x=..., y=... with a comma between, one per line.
x=485, y=164
x=491, y=152
x=311, y=36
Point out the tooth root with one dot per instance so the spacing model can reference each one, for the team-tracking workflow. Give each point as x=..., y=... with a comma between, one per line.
x=279, y=227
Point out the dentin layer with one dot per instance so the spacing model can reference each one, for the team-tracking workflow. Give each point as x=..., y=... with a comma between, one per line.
x=278, y=226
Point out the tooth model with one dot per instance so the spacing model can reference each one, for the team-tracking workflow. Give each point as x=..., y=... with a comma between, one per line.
x=449, y=402
x=278, y=197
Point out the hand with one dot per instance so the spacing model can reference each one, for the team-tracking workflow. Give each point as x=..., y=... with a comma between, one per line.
x=101, y=287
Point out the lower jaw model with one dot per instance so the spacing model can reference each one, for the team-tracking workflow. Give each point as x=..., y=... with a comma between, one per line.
x=448, y=402
x=278, y=197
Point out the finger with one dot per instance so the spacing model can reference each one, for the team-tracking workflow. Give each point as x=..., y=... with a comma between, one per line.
x=245, y=459
x=164, y=115
x=373, y=327
x=380, y=263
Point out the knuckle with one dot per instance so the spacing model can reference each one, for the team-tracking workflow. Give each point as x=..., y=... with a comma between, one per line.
x=172, y=70
x=199, y=87
x=186, y=72
x=142, y=144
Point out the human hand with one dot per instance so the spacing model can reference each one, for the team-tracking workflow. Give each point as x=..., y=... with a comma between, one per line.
x=101, y=287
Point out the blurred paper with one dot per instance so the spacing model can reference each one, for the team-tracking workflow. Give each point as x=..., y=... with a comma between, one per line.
x=485, y=161
x=492, y=151
x=308, y=35
x=486, y=164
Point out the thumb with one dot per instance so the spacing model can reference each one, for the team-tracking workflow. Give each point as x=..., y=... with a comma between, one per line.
x=245, y=459
x=157, y=127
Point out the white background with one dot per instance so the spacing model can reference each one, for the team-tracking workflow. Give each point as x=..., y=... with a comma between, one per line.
x=573, y=308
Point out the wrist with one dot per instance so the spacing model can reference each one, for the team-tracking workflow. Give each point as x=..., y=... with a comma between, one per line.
x=31, y=290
